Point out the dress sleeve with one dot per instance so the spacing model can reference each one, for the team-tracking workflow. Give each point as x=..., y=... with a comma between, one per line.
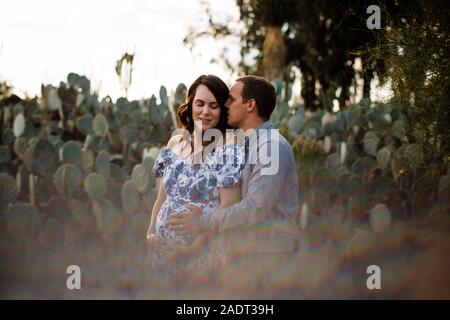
x=229, y=163
x=162, y=161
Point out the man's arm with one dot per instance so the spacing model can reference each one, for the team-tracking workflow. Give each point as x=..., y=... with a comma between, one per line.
x=257, y=204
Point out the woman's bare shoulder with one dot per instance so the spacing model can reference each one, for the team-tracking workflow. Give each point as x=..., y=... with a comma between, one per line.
x=174, y=141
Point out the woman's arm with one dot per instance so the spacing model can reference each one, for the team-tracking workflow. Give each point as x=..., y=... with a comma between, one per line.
x=156, y=206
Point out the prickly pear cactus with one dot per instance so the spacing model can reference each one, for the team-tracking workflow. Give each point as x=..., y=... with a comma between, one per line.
x=100, y=125
x=19, y=125
x=5, y=155
x=41, y=158
x=128, y=134
x=141, y=178
x=95, y=186
x=8, y=190
x=71, y=153
x=108, y=218
x=67, y=179
x=83, y=215
x=85, y=124
x=102, y=164
x=131, y=199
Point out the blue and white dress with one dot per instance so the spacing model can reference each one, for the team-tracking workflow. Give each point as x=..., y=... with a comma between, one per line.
x=186, y=182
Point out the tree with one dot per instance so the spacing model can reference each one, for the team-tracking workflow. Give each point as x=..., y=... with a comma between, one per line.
x=321, y=38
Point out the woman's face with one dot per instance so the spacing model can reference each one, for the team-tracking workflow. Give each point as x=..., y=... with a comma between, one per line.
x=205, y=108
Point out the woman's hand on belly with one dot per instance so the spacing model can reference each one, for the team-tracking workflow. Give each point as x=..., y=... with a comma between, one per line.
x=154, y=242
x=176, y=252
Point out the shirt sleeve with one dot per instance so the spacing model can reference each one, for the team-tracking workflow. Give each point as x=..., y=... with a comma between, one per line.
x=229, y=164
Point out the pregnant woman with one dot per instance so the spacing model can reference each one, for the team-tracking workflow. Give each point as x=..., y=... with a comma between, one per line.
x=209, y=183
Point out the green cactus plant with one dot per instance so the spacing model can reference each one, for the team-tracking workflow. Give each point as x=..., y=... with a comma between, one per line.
x=117, y=174
x=87, y=160
x=102, y=164
x=163, y=96
x=108, y=218
x=83, y=215
x=296, y=124
x=123, y=105
x=8, y=191
x=155, y=115
x=128, y=134
x=179, y=97
x=8, y=136
x=19, y=125
x=71, y=153
x=141, y=178
x=312, y=131
x=84, y=124
x=100, y=125
x=383, y=157
x=53, y=100
x=41, y=158
x=131, y=199
x=95, y=185
x=67, y=179
x=5, y=155
x=371, y=142
x=152, y=153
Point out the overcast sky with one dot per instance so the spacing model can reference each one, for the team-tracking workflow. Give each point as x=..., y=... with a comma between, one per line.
x=42, y=41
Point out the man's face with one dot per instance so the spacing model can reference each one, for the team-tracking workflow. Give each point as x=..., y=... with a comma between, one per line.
x=236, y=107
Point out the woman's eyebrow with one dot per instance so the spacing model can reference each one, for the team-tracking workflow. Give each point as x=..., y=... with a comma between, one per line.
x=200, y=100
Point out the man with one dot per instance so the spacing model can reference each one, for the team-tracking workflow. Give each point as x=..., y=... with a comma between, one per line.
x=262, y=224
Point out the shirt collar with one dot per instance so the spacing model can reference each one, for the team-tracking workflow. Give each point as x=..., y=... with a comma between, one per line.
x=265, y=125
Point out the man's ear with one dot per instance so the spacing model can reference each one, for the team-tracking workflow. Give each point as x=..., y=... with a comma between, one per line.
x=251, y=107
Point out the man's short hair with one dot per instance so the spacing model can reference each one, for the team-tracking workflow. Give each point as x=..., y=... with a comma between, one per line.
x=262, y=91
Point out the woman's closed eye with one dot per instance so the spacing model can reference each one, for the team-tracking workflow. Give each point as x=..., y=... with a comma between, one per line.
x=212, y=105
x=199, y=103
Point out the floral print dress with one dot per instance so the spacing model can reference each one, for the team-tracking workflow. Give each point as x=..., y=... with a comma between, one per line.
x=186, y=182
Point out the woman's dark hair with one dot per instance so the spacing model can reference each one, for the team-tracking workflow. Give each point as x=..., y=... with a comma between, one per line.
x=220, y=91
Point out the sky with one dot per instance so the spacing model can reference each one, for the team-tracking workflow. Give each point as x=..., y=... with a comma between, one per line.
x=42, y=41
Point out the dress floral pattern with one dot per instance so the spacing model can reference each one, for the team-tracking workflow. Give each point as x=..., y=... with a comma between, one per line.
x=186, y=182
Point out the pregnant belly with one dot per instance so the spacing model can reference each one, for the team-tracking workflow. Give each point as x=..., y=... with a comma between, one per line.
x=168, y=235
